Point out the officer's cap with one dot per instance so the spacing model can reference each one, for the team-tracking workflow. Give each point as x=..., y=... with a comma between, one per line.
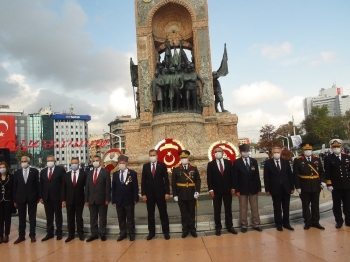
x=306, y=146
x=123, y=158
x=184, y=153
x=335, y=142
x=244, y=147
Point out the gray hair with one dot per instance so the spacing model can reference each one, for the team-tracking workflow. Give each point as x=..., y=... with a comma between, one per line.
x=276, y=147
x=28, y=159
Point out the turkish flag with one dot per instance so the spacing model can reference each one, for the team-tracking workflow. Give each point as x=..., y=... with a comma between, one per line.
x=7, y=132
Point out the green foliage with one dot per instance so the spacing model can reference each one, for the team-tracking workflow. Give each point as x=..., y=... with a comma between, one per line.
x=21, y=153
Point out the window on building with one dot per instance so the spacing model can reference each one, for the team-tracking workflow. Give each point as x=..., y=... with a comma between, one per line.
x=56, y=133
x=62, y=133
x=81, y=151
x=57, y=152
x=82, y=158
x=71, y=139
x=62, y=158
x=72, y=151
x=76, y=139
x=71, y=133
x=77, y=151
x=58, y=159
x=62, y=152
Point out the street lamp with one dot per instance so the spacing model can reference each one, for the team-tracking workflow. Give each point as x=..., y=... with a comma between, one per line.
x=285, y=138
x=120, y=139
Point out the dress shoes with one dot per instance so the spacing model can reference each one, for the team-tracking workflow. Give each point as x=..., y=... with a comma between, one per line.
x=232, y=230
x=279, y=228
x=121, y=237
x=166, y=236
x=33, y=239
x=81, y=237
x=306, y=227
x=103, y=238
x=91, y=238
x=289, y=227
x=59, y=237
x=47, y=237
x=244, y=230
x=184, y=234
x=346, y=224
x=218, y=232
x=317, y=225
x=6, y=239
x=132, y=237
x=150, y=236
x=19, y=240
x=194, y=233
x=68, y=239
x=337, y=226
x=259, y=229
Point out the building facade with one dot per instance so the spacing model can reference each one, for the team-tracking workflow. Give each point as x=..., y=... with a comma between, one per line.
x=96, y=148
x=118, y=137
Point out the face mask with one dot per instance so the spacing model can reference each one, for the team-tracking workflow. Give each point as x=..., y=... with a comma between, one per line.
x=50, y=164
x=276, y=156
x=336, y=150
x=74, y=166
x=308, y=152
x=245, y=154
x=184, y=161
x=218, y=155
x=3, y=170
x=24, y=165
x=153, y=159
x=122, y=167
x=96, y=164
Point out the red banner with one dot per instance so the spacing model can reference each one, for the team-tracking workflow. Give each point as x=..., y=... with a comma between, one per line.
x=168, y=150
x=7, y=130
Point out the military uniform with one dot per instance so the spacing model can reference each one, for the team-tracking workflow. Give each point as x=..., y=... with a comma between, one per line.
x=308, y=174
x=337, y=169
x=185, y=182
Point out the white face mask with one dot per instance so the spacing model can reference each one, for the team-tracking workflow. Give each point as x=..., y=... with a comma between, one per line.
x=276, y=156
x=153, y=159
x=336, y=150
x=308, y=152
x=245, y=154
x=122, y=167
x=96, y=164
x=218, y=155
x=184, y=161
x=50, y=164
x=24, y=165
x=3, y=170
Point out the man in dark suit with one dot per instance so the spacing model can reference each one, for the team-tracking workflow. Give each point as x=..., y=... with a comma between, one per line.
x=73, y=198
x=50, y=196
x=26, y=196
x=97, y=198
x=247, y=185
x=278, y=180
x=125, y=195
x=155, y=190
x=186, y=185
x=309, y=178
x=220, y=186
x=337, y=167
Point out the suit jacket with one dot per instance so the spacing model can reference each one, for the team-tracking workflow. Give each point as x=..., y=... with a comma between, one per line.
x=301, y=168
x=50, y=190
x=26, y=192
x=337, y=172
x=246, y=182
x=74, y=195
x=273, y=178
x=221, y=184
x=7, y=184
x=158, y=185
x=125, y=194
x=101, y=192
x=178, y=176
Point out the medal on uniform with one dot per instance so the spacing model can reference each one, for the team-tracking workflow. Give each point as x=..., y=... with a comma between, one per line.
x=253, y=168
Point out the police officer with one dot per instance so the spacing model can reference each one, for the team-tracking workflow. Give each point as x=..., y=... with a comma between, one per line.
x=186, y=183
x=337, y=167
x=309, y=178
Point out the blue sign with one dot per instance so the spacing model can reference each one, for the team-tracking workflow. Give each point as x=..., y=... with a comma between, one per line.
x=72, y=117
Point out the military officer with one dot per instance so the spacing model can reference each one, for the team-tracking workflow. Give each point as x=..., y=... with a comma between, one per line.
x=309, y=178
x=186, y=183
x=337, y=167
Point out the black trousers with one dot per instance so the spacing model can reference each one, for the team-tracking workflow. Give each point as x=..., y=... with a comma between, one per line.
x=217, y=202
x=5, y=217
x=75, y=215
x=98, y=213
x=188, y=213
x=152, y=201
x=339, y=196
x=281, y=204
x=53, y=210
x=312, y=198
x=22, y=215
x=126, y=219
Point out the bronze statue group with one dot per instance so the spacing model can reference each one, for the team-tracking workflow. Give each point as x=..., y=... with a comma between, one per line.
x=55, y=188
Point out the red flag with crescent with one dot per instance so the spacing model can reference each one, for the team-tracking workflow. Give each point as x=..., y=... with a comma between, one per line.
x=231, y=152
x=168, y=150
x=7, y=131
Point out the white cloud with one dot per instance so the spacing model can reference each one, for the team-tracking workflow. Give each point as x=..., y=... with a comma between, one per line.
x=295, y=108
x=256, y=93
x=276, y=51
x=326, y=57
x=121, y=103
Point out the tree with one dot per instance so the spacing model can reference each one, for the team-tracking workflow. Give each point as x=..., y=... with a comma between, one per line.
x=268, y=138
x=346, y=125
x=21, y=153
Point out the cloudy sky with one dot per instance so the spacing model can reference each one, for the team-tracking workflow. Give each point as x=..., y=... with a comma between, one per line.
x=77, y=52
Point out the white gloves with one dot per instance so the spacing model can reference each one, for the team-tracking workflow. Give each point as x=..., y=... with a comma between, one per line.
x=323, y=184
x=299, y=190
x=196, y=195
x=330, y=188
x=176, y=198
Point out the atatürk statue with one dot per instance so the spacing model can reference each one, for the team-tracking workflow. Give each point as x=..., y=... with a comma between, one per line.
x=223, y=71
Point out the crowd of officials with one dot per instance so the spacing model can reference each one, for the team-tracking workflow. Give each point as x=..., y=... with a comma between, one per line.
x=96, y=189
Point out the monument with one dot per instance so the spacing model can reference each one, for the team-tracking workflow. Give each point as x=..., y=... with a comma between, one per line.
x=178, y=94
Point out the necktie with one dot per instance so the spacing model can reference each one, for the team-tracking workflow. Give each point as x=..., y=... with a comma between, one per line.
x=278, y=166
x=50, y=174
x=74, y=179
x=308, y=159
x=25, y=176
x=185, y=167
x=221, y=168
x=122, y=178
x=95, y=176
x=153, y=170
x=246, y=164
